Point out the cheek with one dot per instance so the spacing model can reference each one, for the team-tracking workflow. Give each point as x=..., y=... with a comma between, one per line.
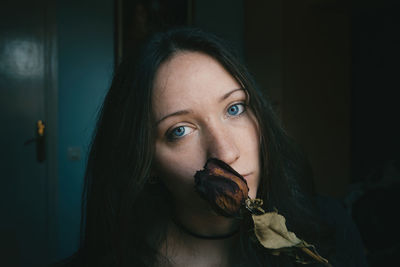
x=250, y=143
x=249, y=139
x=176, y=167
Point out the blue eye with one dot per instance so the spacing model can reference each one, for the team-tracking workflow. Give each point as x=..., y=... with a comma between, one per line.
x=236, y=109
x=179, y=132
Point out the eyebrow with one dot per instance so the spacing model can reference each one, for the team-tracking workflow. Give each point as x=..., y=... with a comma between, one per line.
x=225, y=96
x=187, y=111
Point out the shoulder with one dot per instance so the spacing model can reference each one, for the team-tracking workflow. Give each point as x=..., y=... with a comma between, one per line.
x=348, y=244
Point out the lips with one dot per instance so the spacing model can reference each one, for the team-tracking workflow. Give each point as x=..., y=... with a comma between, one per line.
x=223, y=187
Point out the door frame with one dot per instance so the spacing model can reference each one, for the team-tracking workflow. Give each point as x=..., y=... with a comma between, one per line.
x=51, y=119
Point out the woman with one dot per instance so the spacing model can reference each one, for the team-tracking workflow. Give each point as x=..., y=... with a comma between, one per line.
x=184, y=98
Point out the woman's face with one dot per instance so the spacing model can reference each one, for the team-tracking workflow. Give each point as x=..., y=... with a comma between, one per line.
x=200, y=112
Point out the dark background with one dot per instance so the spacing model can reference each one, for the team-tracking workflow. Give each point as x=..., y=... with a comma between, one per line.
x=375, y=84
x=330, y=68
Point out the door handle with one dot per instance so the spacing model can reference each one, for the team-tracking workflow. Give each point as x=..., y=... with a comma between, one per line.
x=39, y=139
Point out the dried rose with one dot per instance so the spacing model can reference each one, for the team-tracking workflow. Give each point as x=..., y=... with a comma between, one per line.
x=224, y=188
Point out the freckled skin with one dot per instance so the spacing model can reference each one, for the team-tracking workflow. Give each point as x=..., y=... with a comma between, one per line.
x=195, y=81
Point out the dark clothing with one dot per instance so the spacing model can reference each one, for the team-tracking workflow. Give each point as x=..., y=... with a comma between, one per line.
x=349, y=246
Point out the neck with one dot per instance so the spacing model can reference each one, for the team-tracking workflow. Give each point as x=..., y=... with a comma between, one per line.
x=204, y=224
x=181, y=247
x=190, y=232
x=184, y=249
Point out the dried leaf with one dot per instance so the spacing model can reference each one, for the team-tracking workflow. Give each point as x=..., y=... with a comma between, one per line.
x=270, y=229
x=224, y=188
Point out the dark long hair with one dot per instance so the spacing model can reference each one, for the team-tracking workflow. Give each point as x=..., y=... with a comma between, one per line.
x=123, y=215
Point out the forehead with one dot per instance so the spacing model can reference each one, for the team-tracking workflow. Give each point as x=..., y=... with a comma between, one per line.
x=189, y=77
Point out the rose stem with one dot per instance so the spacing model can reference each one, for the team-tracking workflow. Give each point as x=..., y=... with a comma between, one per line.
x=316, y=257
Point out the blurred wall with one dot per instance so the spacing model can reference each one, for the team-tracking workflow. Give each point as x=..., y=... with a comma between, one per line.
x=375, y=85
x=85, y=57
x=223, y=17
x=299, y=52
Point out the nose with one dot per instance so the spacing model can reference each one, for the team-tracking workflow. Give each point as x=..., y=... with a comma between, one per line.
x=221, y=144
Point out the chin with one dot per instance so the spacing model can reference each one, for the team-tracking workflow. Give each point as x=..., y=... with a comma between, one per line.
x=252, y=187
x=252, y=194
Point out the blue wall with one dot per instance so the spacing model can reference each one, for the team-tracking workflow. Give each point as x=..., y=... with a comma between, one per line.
x=85, y=56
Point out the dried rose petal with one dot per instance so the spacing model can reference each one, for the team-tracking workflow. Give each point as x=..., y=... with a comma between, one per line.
x=224, y=188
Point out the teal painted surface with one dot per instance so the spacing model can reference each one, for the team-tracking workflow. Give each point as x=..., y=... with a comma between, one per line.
x=85, y=57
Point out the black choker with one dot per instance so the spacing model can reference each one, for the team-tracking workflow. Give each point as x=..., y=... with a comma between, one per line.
x=213, y=237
